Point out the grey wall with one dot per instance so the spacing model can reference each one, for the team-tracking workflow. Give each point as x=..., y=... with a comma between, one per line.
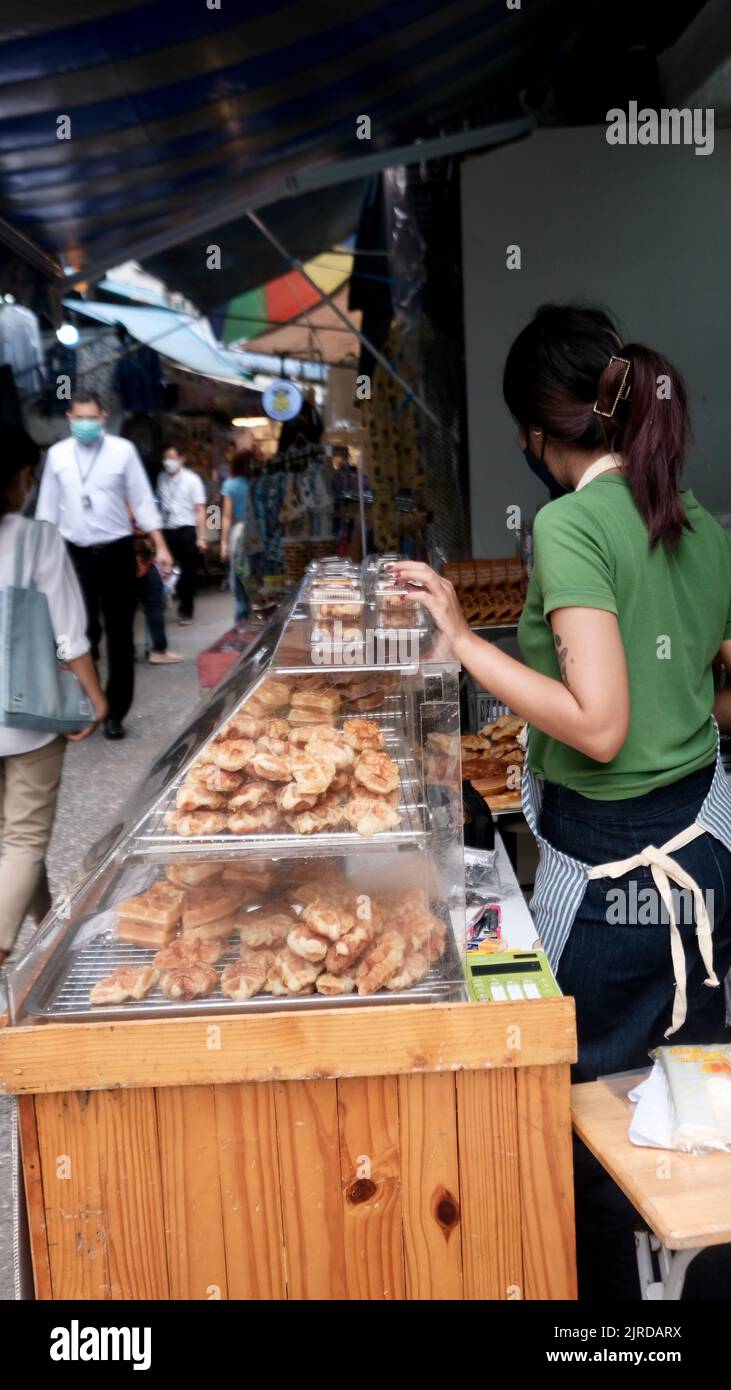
x=644, y=231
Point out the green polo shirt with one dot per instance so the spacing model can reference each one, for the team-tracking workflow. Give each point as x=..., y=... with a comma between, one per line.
x=674, y=610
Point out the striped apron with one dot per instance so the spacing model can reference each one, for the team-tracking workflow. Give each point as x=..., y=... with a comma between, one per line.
x=561, y=881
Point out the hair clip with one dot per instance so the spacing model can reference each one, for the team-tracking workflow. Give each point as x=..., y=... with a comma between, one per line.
x=622, y=391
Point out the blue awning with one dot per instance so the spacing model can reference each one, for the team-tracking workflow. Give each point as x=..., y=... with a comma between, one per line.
x=171, y=106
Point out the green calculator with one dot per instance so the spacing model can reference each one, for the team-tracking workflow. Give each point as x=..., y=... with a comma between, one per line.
x=509, y=975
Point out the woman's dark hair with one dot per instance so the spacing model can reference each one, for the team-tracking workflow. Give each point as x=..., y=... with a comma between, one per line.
x=17, y=451
x=242, y=463
x=559, y=368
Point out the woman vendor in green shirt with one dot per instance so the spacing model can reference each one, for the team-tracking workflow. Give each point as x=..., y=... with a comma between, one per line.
x=628, y=606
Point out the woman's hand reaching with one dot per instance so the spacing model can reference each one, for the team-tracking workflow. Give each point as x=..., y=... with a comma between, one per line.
x=437, y=595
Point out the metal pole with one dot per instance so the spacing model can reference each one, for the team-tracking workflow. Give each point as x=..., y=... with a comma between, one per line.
x=327, y=299
x=306, y=181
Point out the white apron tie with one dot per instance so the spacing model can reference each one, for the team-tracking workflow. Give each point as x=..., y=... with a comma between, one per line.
x=664, y=868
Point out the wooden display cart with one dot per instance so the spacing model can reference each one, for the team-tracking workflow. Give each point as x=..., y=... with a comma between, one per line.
x=392, y=1152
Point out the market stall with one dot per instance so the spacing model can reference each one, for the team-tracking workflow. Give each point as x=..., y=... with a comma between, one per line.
x=246, y=1061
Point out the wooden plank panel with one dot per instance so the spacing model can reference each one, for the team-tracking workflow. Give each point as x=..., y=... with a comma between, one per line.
x=33, y=1182
x=430, y=1188
x=131, y=1192
x=370, y=1171
x=490, y=1185
x=191, y=1192
x=249, y=1174
x=312, y=1208
x=101, y=1183
x=685, y=1198
x=372, y=1041
x=546, y=1181
x=71, y=1173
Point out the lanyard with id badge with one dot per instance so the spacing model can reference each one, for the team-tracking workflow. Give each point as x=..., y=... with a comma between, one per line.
x=84, y=477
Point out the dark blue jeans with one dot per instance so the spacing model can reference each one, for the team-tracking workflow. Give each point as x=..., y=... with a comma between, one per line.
x=621, y=976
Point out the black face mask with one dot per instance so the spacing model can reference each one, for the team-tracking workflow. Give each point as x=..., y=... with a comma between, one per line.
x=544, y=474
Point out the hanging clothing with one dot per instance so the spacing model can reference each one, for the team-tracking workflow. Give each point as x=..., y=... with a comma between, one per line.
x=138, y=380
x=21, y=347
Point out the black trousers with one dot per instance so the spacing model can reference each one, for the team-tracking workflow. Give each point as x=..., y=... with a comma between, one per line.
x=108, y=578
x=182, y=543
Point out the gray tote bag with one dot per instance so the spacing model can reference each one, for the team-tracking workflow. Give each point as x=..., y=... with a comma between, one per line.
x=36, y=690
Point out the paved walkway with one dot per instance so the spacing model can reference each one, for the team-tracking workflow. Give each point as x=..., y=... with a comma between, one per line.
x=98, y=778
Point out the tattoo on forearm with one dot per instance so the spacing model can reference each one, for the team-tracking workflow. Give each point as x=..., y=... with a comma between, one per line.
x=562, y=654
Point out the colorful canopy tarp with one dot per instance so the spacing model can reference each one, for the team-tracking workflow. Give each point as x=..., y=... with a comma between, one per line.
x=283, y=299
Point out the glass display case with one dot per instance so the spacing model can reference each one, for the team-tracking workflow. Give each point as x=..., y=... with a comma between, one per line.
x=295, y=846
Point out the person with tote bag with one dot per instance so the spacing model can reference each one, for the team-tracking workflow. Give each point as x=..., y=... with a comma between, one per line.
x=49, y=689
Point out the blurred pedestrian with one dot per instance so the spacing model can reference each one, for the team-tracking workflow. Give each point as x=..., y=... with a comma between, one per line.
x=151, y=595
x=30, y=759
x=182, y=499
x=91, y=482
x=235, y=492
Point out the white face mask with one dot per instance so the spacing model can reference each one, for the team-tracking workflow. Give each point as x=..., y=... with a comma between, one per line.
x=172, y=465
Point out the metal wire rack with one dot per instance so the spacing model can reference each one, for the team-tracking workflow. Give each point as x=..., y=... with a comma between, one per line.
x=62, y=992
x=155, y=839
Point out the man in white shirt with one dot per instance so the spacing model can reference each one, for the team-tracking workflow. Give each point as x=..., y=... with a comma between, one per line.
x=92, y=485
x=182, y=499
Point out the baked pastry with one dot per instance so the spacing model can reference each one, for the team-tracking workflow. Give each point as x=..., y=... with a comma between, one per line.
x=402, y=901
x=301, y=734
x=189, y=981
x=161, y=904
x=252, y=873
x=326, y=815
x=307, y=718
x=294, y=974
x=370, y=815
x=349, y=948
x=271, y=767
x=185, y=951
x=214, y=778
x=191, y=823
x=242, y=725
x=325, y=743
x=267, y=926
x=192, y=796
x=367, y=703
x=277, y=728
x=422, y=932
x=306, y=943
x=233, y=754
x=342, y=781
x=246, y=976
x=272, y=694
x=313, y=773
x=208, y=903
x=376, y=771
x=412, y=971
x=381, y=962
x=327, y=919
x=278, y=746
x=259, y=822
x=126, y=982
x=252, y=795
x=329, y=984
x=148, y=934
x=292, y=798
x=189, y=875
x=322, y=701
x=362, y=733
x=220, y=930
